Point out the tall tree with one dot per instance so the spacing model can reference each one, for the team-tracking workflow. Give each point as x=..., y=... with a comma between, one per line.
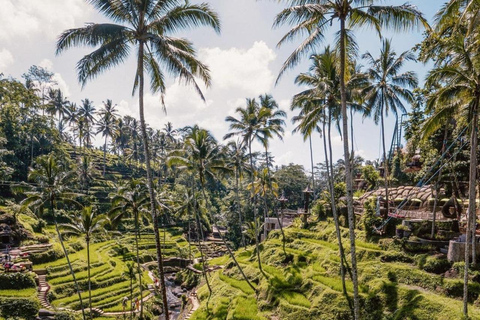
x=52, y=181
x=312, y=18
x=386, y=91
x=107, y=125
x=145, y=25
x=86, y=115
x=131, y=198
x=86, y=224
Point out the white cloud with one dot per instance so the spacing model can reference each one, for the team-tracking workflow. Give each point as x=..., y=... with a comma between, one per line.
x=46, y=64
x=61, y=84
x=243, y=69
x=6, y=59
x=27, y=19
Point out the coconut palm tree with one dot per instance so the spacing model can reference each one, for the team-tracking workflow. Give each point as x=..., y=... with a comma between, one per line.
x=250, y=127
x=57, y=104
x=87, y=223
x=131, y=199
x=312, y=18
x=52, y=179
x=106, y=125
x=387, y=89
x=86, y=114
x=146, y=26
x=130, y=274
x=455, y=81
x=204, y=156
x=237, y=160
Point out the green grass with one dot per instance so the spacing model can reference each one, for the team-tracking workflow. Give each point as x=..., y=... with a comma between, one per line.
x=18, y=293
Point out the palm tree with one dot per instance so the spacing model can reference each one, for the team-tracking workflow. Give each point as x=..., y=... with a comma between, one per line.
x=145, y=25
x=455, y=81
x=87, y=223
x=319, y=104
x=106, y=125
x=86, y=114
x=250, y=127
x=130, y=274
x=57, y=104
x=205, y=159
x=312, y=17
x=131, y=198
x=386, y=90
x=52, y=180
x=273, y=125
x=237, y=160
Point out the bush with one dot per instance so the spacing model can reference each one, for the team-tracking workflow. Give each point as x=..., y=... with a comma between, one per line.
x=369, y=219
x=23, y=308
x=396, y=257
x=16, y=281
x=436, y=265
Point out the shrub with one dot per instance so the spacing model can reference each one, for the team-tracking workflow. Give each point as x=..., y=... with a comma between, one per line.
x=396, y=257
x=436, y=265
x=23, y=308
x=369, y=219
x=16, y=281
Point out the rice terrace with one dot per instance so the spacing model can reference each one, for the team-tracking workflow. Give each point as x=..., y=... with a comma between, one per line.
x=239, y=160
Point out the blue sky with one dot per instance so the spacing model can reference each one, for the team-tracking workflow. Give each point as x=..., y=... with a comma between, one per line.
x=243, y=59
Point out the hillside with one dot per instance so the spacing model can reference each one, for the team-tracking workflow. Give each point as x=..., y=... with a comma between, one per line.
x=394, y=283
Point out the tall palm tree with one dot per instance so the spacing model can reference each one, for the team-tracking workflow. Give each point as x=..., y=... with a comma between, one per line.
x=386, y=90
x=131, y=198
x=273, y=126
x=145, y=25
x=86, y=114
x=205, y=158
x=87, y=223
x=237, y=160
x=52, y=180
x=313, y=17
x=455, y=81
x=250, y=127
x=319, y=104
x=57, y=104
x=130, y=274
x=106, y=125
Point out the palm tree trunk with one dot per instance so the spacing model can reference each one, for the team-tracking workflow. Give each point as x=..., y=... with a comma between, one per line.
x=224, y=241
x=105, y=155
x=239, y=210
x=432, y=233
x=328, y=162
x=87, y=240
x=265, y=198
x=348, y=171
x=254, y=206
x=140, y=74
x=471, y=204
x=352, y=152
x=311, y=162
x=139, y=269
x=131, y=298
x=68, y=259
x=385, y=166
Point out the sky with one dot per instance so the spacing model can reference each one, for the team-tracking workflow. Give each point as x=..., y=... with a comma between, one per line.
x=244, y=61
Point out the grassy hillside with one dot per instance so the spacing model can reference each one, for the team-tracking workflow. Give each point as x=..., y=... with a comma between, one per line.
x=394, y=284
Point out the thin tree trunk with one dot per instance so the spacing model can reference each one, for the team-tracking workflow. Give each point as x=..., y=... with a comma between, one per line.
x=254, y=206
x=352, y=153
x=89, y=282
x=68, y=259
x=328, y=163
x=471, y=205
x=348, y=171
x=139, y=269
x=311, y=163
x=385, y=168
x=224, y=241
x=140, y=74
x=265, y=212
x=432, y=234
x=105, y=155
x=237, y=199
x=131, y=298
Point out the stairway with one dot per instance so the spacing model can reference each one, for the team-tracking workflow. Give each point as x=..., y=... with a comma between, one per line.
x=43, y=289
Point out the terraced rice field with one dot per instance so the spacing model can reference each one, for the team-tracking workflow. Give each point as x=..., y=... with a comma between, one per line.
x=108, y=271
